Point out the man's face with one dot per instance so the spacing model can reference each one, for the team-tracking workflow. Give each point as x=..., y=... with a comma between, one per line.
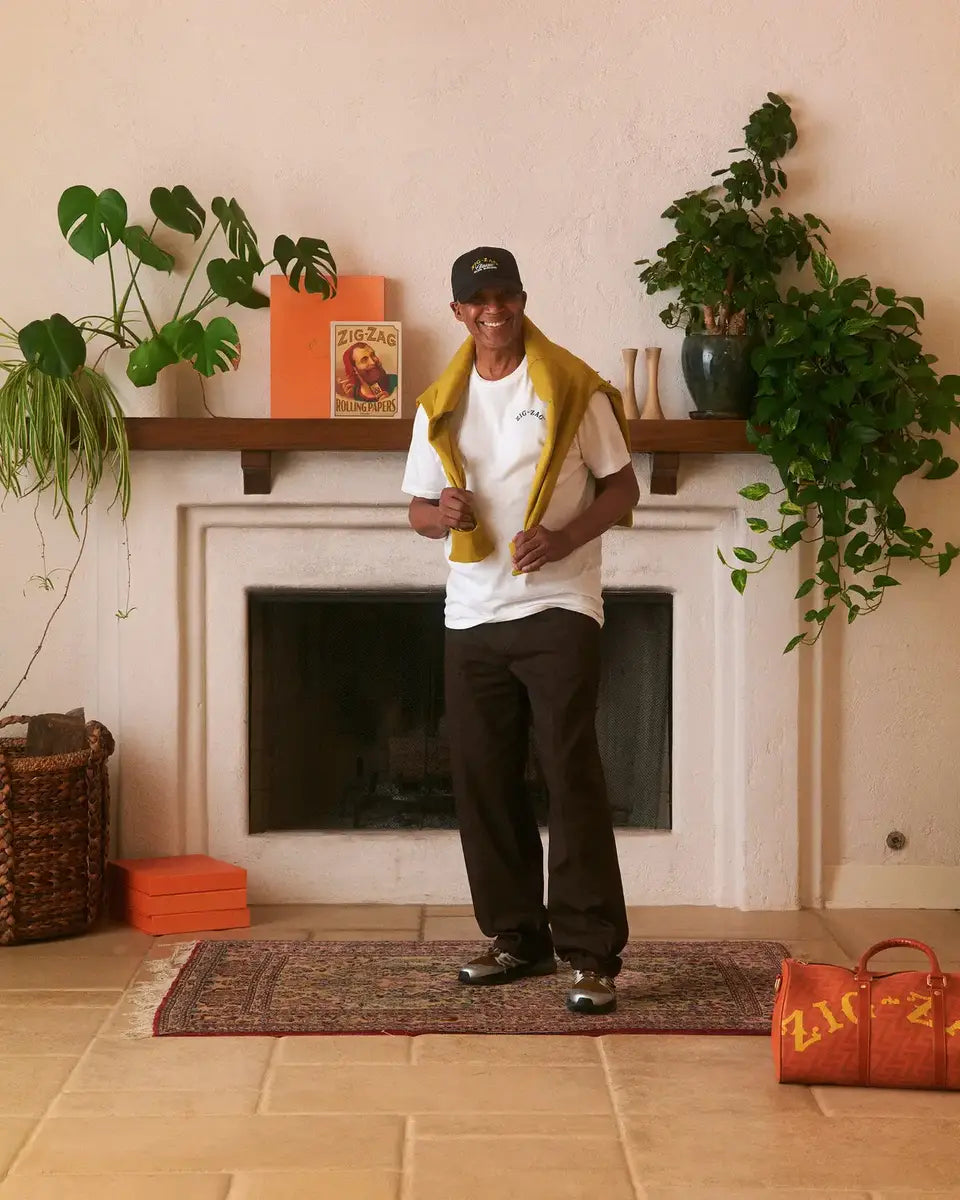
x=367, y=364
x=494, y=316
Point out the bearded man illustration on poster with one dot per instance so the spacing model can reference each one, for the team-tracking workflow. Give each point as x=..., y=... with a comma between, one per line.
x=365, y=361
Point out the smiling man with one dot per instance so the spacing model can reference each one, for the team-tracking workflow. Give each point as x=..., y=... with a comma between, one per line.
x=519, y=459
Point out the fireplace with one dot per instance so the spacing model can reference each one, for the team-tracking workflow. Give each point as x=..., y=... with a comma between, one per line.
x=346, y=720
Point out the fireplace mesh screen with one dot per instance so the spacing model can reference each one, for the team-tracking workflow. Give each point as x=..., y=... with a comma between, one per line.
x=346, y=714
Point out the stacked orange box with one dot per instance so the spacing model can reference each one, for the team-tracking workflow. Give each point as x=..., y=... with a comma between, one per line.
x=185, y=893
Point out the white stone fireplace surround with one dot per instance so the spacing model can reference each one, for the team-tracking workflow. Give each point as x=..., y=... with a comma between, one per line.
x=173, y=678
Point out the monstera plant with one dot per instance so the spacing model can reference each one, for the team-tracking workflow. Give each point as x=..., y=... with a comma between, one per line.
x=61, y=424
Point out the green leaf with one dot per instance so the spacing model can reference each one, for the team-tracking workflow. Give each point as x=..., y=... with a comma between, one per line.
x=178, y=209
x=852, y=613
x=91, y=223
x=828, y=550
x=142, y=246
x=805, y=588
x=825, y=270
x=833, y=506
x=744, y=554
x=755, y=491
x=307, y=261
x=886, y=296
x=720, y=556
x=233, y=280
x=240, y=236
x=739, y=580
x=56, y=346
x=853, y=548
x=149, y=358
x=219, y=348
x=915, y=303
x=757, y=524
x=789, y=509
x=883, y=581
x=858, y=515
x=942, y=470
x=793, y=643
x=828, y=573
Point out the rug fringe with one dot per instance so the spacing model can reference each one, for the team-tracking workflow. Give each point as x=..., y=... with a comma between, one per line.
x=143, y=998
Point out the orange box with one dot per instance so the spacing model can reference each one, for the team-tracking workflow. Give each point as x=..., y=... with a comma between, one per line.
x=175, y=875
x=229, y=918
x=180, y=903
x=300, y=339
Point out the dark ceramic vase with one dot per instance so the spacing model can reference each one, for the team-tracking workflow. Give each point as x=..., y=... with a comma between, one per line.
x=718, y=374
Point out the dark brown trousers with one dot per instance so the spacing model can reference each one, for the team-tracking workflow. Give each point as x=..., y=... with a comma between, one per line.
x=500, y=678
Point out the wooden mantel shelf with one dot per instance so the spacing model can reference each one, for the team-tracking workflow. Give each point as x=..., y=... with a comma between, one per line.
x=258, y=438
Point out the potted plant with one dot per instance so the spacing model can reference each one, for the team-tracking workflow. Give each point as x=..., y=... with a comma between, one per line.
x=848, y=406
x=725, y=260
x=61, y=424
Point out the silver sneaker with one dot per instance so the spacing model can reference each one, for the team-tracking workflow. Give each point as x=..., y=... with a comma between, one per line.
x=499, y=966
x=592, y=993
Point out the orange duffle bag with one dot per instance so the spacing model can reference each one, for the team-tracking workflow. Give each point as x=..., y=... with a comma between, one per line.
x=862, y=1028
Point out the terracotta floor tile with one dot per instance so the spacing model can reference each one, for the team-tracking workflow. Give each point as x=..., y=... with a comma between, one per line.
x=453, y=1087
x=253, y=933
x=505, y=1048
x=452, y=929
x=48, y=1030
x=497, y=1125
x=173, y=1064
x=703, y=1088
x=810, y=1151
x=706, y=922
x=342, y=916
x=316, y=1185
x=13, y=1133
x=659, y=1053
x=168, y=1103
x=724, y=1193
x=448, y=910
x=889, y=1103
x=857, y=929
x=546, y=1183
x=39, y=972
x=135, y=1145
x=102, y=998
x=363, y=935
x=108, y=941
x=306, y=1050
x=115, y=1187
x=27, y=1085
x=535, y=1168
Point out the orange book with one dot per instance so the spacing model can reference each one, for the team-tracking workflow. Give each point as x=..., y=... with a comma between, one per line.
x=300, y=340
x=175, y=874
x=228, y=918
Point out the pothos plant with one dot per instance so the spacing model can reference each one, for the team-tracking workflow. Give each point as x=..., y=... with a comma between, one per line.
x=728, y=252
x=848, y=406
x=60, y=421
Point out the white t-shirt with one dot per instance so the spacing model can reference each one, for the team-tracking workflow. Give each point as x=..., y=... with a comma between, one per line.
x=500, y=429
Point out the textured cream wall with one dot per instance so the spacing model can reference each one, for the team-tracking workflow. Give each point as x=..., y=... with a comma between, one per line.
x=406, y=131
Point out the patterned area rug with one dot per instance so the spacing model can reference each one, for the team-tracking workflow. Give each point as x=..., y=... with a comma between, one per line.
x=283, y=988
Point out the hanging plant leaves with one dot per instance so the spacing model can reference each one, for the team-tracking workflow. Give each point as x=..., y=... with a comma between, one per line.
x=233, y=281
x=178, y=209
x=91, y=223
x=56, y=346
x=218, y=349
x=240, y=235
x=142, y=246
x=307, y=261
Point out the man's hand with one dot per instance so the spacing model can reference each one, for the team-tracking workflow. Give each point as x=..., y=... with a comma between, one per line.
x=456, y=509
x=534, y=547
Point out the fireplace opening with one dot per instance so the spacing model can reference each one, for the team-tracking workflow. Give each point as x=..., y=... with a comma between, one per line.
x=346, y=724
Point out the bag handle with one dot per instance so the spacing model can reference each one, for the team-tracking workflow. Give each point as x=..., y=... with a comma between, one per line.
x=936, y=981
x=862, y=972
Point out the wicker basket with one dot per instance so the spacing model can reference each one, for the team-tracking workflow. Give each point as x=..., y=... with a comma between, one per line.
x=53, y=837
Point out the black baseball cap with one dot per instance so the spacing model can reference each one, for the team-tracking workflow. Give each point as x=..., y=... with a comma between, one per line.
x=486, y=266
